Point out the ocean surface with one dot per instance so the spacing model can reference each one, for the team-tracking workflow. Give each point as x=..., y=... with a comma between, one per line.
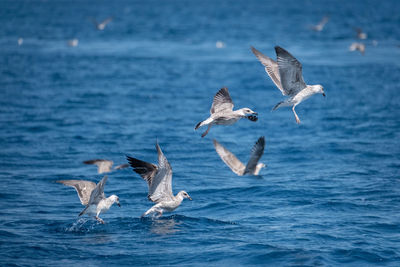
x=330, y=194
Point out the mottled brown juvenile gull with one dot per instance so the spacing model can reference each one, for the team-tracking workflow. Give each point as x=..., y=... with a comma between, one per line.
x=252, y=167
x=159, y=180
x=320, y=26
x=357, y=46
x=105, y=165
x=287, y=75
x=222, y=112
x=92, y=196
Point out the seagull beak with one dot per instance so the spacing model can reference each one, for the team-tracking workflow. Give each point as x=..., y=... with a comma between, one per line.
x=190, y=198
x=255, y=113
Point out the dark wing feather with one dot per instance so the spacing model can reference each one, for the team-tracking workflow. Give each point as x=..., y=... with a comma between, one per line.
x=256, y=153
x=290, y=71
x=144, y=169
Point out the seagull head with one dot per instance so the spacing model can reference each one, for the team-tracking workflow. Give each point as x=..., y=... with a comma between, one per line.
x=249, y=114
x=319, y=89
x=185, y=195
x=115, y=199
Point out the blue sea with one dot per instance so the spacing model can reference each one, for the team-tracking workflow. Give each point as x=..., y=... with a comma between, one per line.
x=330, y=195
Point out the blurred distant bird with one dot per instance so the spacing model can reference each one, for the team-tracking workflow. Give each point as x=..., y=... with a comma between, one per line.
x=220, y=44
x=222, y=112
x=287, y=75
x=252, y=167
x=159, y=180
x=360, y=34
x=73, y=42
x=102, y=25
x=92, y=196
x=320, y=26
x=20, y=41
x=357, y=46
x=104, y=165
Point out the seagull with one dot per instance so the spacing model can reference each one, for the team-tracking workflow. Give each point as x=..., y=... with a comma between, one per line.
x=357, y=46
x=360, y=34
x=320, y=26
x=20, y=41
x=222, y=112
x=159, y=180
x=287, y=75
x=252, y=167
x=102, y=25
x=92, y=196
x=73, y=42
x=104, y=165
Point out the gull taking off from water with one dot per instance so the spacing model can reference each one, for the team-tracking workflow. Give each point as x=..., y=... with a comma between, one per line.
x=287, y=75
x=222, y=112
x=92, y=196
x=104, y=165
x=159, y=180
x=320, y=26
x=252, y=167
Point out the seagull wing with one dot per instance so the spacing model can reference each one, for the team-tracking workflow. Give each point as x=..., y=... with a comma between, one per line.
x=103, y=165
x=98, y=192
x=122, y=166
x=83, y=188
x=107, y=20
x=222, y=101
x=159, y=178
x=324, y=21
x=271, y=68
x=256, y=153
x=290, y=71
x=231, y=160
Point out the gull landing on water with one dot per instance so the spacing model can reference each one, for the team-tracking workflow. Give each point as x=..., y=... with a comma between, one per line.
x=92, y=196
x=252, y=167
x=159, y=180
x=222, y=112
x=104, y=165
x=287, y=75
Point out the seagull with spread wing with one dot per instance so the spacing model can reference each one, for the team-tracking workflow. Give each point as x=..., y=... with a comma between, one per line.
x=287, y=75
x=105, y=165
x=320, y=26
x=102, y=25
x=92, y=196
x=159, y=180
x=253, y=167
x=222, y=112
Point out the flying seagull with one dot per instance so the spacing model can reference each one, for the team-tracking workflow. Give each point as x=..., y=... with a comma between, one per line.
x=222, y=112
x=287, y=75
x=320, y=26
x=159, y=180
x=92, y=196
x=357, y=46
x=104, y=165
x=252, y=167
x=102, y=25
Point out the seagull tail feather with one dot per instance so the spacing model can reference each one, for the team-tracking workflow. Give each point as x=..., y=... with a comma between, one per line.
x=198, y=125
x=277, y=105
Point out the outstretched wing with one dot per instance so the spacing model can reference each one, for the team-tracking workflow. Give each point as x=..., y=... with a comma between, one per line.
x=122, y=166
x=222, y=101
x=256, y=153
x=159, y=178
x=236, y=165
x=98, y=192
x=83, y=188
x=271, y=68
x=107, y=20
x=146, y=170
x=103, y=165
x=290, y=71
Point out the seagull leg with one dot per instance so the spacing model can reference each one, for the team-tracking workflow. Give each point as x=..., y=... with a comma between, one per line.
x=99, y=220
x=295, y=114
x=206, y=132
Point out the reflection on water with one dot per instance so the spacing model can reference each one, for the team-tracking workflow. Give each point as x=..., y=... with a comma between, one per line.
x=164, y=226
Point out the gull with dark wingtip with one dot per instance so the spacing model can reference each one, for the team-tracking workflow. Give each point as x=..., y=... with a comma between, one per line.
x=92, y=196
x=253, y=167
x=222, y=112
x=159, y=180
x=287, y=75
